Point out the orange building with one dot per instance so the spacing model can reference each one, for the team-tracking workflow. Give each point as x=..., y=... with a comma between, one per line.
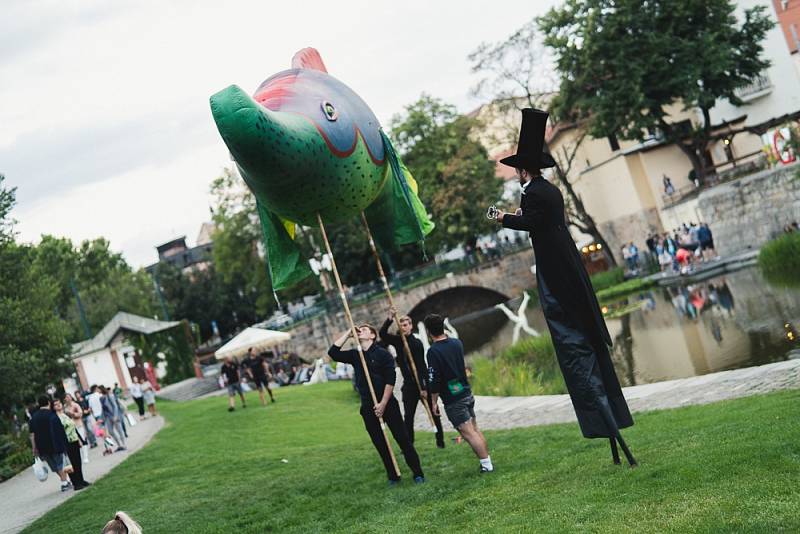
x=788, y=12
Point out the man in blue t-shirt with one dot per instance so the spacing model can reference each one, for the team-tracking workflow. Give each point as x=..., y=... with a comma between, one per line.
x=49, y=440
x=448, y=379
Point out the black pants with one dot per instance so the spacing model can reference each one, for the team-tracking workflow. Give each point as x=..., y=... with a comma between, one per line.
x=74, y=454
x=140, y=405
x=411, y=399
x=394, y=420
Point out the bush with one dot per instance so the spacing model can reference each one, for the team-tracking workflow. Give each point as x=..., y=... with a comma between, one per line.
x=608, y=278
x=529, y=367
x=15, y=455
x=779, y=260
x=630, y=286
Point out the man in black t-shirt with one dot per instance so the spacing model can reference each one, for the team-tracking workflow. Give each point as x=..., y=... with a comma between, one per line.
x=256, y=369
x=381, y=370
x=447, y=377
x=49, y=440
x=412, y=392
x=230, y=372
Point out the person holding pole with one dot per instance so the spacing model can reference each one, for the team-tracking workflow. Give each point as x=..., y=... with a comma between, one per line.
x=380, y=365
x=414, y=388
x=448, y=379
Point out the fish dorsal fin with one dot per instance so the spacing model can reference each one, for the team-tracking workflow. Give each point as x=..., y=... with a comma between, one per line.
x=308, y=58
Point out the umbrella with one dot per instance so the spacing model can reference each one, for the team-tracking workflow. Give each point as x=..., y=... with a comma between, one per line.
x=257, y=339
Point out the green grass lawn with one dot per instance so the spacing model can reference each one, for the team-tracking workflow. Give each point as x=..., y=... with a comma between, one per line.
x=726, y=467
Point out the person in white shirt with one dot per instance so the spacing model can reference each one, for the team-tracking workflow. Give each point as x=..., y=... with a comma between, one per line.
x=138, y=396
x=94, y=404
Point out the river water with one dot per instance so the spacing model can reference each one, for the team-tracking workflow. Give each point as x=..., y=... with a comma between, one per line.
x=726, y=322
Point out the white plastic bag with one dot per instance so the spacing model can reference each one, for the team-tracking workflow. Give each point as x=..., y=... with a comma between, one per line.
x=85, y=454
x=110, y=442
x=131, y=419
x=40, y=469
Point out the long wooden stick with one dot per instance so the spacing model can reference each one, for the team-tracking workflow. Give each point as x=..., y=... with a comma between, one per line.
x=406, y=348
x=355, y=338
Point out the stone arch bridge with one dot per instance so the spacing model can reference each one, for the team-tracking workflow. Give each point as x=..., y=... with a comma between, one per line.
x=453, y=295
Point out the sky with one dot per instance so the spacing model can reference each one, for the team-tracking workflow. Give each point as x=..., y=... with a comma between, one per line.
x=105, y=128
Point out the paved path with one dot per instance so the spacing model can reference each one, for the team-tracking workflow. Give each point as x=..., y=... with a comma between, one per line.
x=24, y=499
x=513, y=412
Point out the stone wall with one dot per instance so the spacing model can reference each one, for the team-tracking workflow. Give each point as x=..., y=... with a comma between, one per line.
x=748, y=212
x=635, y=227
x=508, y=276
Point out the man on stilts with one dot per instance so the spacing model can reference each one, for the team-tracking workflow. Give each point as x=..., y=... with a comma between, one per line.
x=576, y=324
x=413, y=390
x=381, y=370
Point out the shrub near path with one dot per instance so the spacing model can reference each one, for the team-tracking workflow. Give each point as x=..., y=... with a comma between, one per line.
x=725, y=467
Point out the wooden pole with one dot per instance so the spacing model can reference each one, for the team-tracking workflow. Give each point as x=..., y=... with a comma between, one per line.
x=354, y=333
x=406, y=348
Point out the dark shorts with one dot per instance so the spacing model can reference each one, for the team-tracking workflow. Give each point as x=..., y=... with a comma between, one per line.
x=461, y=410
x=707, y=245
x=260, y=381
x=55, y=461
x=233, y=388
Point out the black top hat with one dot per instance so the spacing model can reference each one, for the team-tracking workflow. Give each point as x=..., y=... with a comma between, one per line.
x=531, y=140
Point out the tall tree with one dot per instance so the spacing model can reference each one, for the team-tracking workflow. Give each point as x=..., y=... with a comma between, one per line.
x=455, y=175
x=32, y=337
x=517, y=73
x=623, y=63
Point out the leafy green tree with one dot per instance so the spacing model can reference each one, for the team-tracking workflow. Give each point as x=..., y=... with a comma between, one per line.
x=32, y=336
x=624, y=62
x=455, y=175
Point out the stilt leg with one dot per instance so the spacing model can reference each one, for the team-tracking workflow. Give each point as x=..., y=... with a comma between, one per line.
x=631, y=460
x=614, y=452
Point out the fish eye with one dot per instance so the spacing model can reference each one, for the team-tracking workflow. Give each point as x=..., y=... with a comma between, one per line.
x=329, y=111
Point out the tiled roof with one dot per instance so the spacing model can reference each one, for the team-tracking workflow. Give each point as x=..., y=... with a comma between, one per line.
x=121, y=321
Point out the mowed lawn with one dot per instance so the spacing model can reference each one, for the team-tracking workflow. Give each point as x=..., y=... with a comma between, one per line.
x=726, y=467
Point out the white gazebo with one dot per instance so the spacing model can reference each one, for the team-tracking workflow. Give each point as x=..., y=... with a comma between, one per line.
x=257, y=339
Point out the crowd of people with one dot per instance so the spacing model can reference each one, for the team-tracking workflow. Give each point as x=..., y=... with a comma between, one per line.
x=677, y=251
x=64, y=428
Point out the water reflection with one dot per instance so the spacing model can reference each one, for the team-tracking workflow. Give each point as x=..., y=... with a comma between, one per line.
x=727, y=322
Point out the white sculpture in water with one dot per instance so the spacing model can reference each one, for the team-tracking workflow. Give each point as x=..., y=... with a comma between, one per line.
x=519, y=319
x=423, y=334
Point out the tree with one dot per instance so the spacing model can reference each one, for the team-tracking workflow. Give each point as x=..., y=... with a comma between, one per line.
x=623, y=63
x=32, y=337
x=518, y=72
x=455, y=175
x=97, y=276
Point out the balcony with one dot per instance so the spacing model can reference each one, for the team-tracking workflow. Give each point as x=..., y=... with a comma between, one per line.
x=761, y=86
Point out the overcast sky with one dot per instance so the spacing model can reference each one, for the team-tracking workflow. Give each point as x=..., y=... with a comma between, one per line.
x=105, y=128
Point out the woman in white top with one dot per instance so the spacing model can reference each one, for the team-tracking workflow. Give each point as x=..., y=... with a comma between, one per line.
x=136, y=393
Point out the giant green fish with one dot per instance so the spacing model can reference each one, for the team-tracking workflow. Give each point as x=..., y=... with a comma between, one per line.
x=307, y=144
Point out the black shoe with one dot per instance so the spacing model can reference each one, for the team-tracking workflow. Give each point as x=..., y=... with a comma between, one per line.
x=231, y=408
x=394, y=482
x=484, y=470
x=440, y=441
x=271, y=399
x=244, y=406
x=419, y=479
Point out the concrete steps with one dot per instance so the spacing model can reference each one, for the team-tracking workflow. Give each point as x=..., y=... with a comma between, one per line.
x=189, y=389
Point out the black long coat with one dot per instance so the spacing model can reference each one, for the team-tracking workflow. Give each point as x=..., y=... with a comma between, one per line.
x=573, y=315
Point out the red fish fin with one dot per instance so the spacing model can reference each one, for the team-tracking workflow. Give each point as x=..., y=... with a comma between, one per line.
x=308, y=58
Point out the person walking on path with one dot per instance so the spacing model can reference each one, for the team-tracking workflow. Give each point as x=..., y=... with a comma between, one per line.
x=48, y=439
x=447, y=378
x=138, y=396
x=88, y=425
x=257, y=371
x=149, y=395
x=74, y=411
x=411, y=393
x=576, y=324
x=230, y=372
x=112, y=415
x=380, y=365
x=73, y=446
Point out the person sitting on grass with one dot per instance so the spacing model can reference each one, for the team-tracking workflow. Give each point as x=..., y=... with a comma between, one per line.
x=447, y=377
x=381, y=370
x=256, y=369
x=230, y=372
x=49, y=440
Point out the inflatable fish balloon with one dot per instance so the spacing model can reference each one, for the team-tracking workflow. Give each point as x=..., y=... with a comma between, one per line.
x=307, y=144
